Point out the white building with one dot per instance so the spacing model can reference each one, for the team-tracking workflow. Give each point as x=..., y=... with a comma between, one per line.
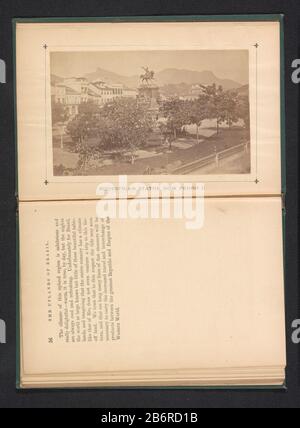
x=71, y=92
x=108, y=92
x=130, y=93
x=197, y=90
x=76, y=90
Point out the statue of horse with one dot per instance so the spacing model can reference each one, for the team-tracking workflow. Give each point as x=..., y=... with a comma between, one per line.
x=147, y=76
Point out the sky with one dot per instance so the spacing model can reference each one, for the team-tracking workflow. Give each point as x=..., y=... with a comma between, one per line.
x=225, y=64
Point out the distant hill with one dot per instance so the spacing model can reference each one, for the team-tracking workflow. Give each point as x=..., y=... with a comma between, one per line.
x=170, y=76
x=172, y=81
x=111, y=77
x=175, y=76
x=243, y=90
x=172, y=89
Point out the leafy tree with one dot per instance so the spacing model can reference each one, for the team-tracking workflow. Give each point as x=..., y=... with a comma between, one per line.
x=243, y=111
x=167, y=133
x=59, y=113
x=85, y=123
x=176, y=113
x=219, y=104
x=229, y=107
x=88, y=108
x=198, y=111
x=215, y=106
x=119, y=126
x=84, y=126
x=125, y=126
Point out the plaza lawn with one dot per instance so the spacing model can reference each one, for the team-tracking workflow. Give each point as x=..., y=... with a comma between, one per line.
x=159, y=160
x=164, y=163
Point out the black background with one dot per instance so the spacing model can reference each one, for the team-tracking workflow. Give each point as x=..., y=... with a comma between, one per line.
x=9, y=396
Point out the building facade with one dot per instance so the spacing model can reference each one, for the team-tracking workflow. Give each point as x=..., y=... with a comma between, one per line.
x=71, y=92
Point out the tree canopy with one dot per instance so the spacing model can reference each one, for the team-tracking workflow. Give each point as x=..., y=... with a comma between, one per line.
x=176, y=113
x=124, y=124
x=59, y=113
x=121, y=125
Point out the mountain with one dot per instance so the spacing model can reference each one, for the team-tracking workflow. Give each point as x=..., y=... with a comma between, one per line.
x=175, y=76
x=175, y=90
x=111, y=77
x=170, y=76
x=243, y=90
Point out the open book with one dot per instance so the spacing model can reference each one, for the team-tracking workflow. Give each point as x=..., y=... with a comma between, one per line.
x=150, y=202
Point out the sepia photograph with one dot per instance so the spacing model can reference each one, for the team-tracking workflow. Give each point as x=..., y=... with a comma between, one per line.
x=148, y=159
x=150, y=112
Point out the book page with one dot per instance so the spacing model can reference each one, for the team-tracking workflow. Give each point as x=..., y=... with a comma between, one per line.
x=140, y=294
x=171, y=102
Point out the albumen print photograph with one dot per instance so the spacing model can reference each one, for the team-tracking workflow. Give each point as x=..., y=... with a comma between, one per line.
x=150, y=112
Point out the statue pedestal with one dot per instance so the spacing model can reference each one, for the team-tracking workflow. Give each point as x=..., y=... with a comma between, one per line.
x=149, y=92
x=150, y=95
